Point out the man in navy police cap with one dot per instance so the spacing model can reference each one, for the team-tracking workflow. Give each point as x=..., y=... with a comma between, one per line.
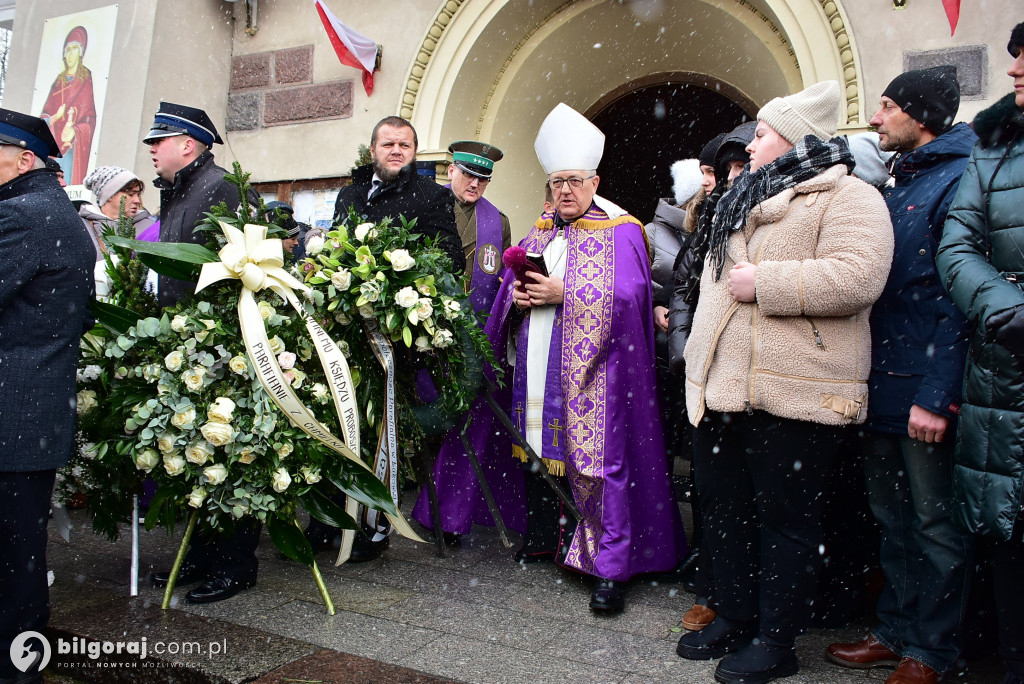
x=190, y=184
x=46, y=284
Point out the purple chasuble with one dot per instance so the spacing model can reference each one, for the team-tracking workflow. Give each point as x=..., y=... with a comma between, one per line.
x=458, y=492
x=601, y=420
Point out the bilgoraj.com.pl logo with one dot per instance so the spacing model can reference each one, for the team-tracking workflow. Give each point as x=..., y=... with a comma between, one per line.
x=31, y=651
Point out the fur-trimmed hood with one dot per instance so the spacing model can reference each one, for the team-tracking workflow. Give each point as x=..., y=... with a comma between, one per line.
x=999, y=123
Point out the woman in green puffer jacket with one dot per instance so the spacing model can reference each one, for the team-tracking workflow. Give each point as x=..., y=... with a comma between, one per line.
x=981, y=261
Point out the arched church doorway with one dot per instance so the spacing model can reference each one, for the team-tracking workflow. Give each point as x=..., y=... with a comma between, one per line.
x=649, y=128
x=491, y=70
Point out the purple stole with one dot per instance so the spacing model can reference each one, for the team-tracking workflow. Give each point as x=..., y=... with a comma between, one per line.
x=487, y=265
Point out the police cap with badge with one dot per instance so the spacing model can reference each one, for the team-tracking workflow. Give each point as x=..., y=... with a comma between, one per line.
x=175, y=119
x=475, y=158
x=28, y=132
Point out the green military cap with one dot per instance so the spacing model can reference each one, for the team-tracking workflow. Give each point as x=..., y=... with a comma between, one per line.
x=475, y=158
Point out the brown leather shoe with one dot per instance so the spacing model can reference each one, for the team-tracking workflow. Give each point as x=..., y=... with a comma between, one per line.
x=862, y=655
x=698, y=617
x=911, y=671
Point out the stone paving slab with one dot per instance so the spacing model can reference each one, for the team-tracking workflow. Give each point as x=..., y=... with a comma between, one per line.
x=475, y=616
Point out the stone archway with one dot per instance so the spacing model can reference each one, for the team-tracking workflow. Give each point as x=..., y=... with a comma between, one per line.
x=492, y=69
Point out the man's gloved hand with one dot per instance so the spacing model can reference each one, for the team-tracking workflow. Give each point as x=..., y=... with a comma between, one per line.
x=1007, y=328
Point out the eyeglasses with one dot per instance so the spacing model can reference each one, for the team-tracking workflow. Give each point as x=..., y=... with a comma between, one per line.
x=575, y=183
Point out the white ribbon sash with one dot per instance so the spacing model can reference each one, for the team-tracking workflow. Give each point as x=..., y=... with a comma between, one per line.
x=258, y=262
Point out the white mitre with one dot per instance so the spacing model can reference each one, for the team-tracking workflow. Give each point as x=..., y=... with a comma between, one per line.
x=567, y=140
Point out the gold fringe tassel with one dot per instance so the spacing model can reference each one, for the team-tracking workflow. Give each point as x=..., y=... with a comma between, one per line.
x=556, y=468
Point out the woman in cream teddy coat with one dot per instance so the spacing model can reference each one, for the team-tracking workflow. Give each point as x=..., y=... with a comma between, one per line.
x=777, y=360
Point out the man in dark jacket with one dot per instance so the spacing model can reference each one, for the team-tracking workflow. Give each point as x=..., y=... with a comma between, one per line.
x=190, y=184
x=389, y=187
x=190, y=181
x=45, y=287
x=919, y=343
x=981, y=261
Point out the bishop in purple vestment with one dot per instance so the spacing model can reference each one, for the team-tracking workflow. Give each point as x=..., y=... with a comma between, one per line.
x=584, y=386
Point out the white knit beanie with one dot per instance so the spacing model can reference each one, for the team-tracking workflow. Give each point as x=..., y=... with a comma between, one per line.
x=686, y=177
x=812, y=111
x=107, y=181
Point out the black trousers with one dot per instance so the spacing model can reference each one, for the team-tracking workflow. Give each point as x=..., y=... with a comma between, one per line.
x=228, y=555
x=24, y=594
x=1007, y=561
x=761, y=480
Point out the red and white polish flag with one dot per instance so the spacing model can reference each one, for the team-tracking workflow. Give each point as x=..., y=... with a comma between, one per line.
x=353, y=48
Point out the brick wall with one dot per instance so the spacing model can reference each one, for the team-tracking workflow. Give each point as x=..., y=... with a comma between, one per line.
x=276, y=88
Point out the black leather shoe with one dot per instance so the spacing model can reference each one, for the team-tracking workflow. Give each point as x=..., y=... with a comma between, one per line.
x=608, y=597
x=364, y=550
x=188, y=574
x=524, y=556
x=759, y=662
x=720, y=637
x=217, y=589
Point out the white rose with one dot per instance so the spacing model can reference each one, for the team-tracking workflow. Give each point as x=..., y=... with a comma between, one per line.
x=424, y=308
x=147, y=459
x=90, y=372
x=286, y=360
x=216, y=473
x=370, y=290
x=266, y=310
x=442, y=339
x=196, y=498
x=343, y=348
x=422, y=343
x=246, y=456
x=174, y=360
x=310, y=475
x=401, y=260
x=199, y=452
x=174, y=464
x=220, y=410
x=342, y=279
x=193, y=378
x=85, y=401
x=452, y=308
x=184, y=419
x=319, y=390
x=407, y=297
x=362, y=230
x=165, y=443
x=178, y=323
x=295, y=377
x=218, y=434
x=366, y=311
x=315, y=245
x=238, y=365
x=285, y=450
x=281, y=480
x=151, y=372
x=342, y=318
x=276, y=344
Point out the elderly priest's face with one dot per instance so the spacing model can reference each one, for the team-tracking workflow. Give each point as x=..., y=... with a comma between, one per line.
x=570, y=201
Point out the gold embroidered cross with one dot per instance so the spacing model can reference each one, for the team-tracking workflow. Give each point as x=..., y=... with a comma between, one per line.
x=589, y=322
x=556, y=427
x=519, y=416
x=590, y=271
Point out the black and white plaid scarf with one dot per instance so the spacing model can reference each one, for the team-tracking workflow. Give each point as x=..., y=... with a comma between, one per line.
x=806, y=160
